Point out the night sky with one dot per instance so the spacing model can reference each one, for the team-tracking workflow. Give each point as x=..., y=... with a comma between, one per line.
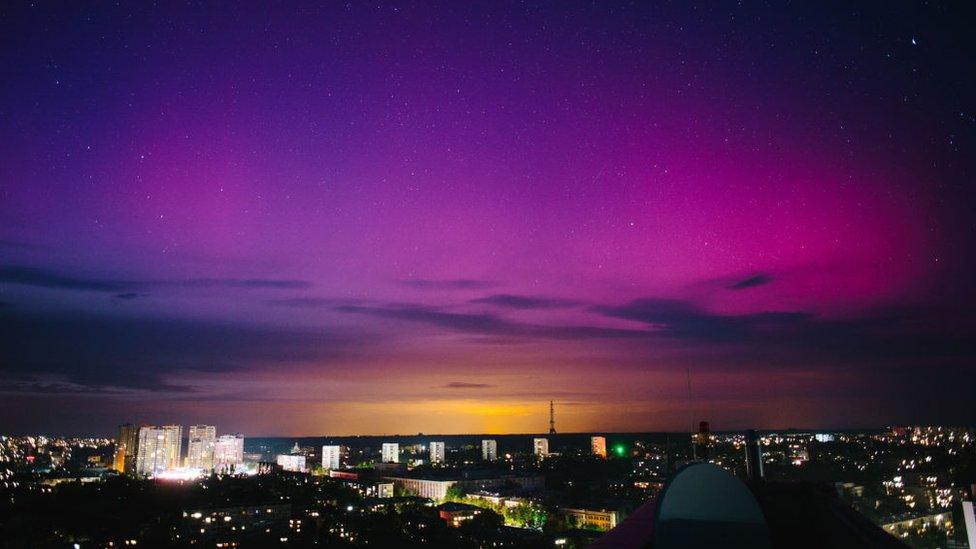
x=403, y=217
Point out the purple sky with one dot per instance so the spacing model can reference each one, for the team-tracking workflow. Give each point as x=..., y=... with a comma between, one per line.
x=404, y=217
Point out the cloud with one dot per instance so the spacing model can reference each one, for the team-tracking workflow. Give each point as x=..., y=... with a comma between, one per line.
x=48, y=279
x=45, y=278
x=112, y=353
x=275, y=284
x=448, y=284
x=128, y=296
x=465, y=385
x=488, y=324
x=525, y=302
x=752, y=282
x=885, y=336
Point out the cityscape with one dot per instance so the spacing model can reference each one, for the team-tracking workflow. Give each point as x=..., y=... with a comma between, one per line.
x=152, y=486
x=615, y=274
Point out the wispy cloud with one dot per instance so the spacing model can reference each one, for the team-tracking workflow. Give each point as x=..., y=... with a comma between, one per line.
x=752, y=282
x=466, y=385
x=525, y=302
x=448, y=284
x=41, y=278
x=488, y=324
x=45, y=278
x=101, y=352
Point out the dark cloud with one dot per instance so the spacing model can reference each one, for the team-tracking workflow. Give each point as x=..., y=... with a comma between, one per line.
x=525, y=302
x=890, y=336
x=448, y=284
x=128, y=296
x=487, y=324
x=110, y=353
x=752, y=282
x=44, y=278
x=466, y=385
x=274, y=284
x=48, y=279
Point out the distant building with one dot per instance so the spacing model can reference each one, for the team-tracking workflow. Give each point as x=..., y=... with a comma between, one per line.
x=601, y=519
x=489, y=450
x=456, y=513
x=437, y=452
x=292, y=462
x=200, y=447
x=229, y=453
x=540, y=447
x=598, y=446
x=391, y=452
x=824, y=437
x=331, y=457
x=969, y=519
x=702, y=441
x=434, y=485
x=159, y=449
x=126, y=448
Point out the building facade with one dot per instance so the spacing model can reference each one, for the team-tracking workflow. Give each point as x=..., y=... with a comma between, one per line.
x=228, y=453
x=331, y=457
x=200, y=447
x=540, y=447
x=390, y=452
x=601, y=519
x=436, y=488
x=126, y=448
x=159, y=449
x=598, y=446
x=292, y=462
x=437, y=452
x=489, y=450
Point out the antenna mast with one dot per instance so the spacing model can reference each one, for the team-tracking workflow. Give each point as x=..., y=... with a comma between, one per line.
x=552, y=418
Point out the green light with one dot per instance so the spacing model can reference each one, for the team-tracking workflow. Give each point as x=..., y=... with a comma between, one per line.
x=620, y=449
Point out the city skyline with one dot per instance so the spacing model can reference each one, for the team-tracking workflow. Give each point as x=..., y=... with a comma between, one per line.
x=380, y=219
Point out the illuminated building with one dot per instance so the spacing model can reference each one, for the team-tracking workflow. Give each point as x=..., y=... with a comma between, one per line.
x=437, y=452
x=331, y=457
x=456, y=513
x=598, y=446
x=391, y=452
x=228, y=453
x=434, y=484
x=292, y=462
x=540, y=446
x=126, y=448
x=200, y=447
x=702, y=440
x=489, y=450
x=600, y=519
x=159, y=449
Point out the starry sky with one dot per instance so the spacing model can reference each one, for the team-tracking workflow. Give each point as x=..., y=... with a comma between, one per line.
x=401, y=217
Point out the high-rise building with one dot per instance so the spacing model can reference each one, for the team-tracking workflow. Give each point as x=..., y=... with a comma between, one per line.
x=598, y=445
x=437, y=452
x=292, y=462
x=228, y=454
x=331, y=457
x=391, y=452
x=159, y=449
x=200, y=447
x=489, y=450
x=540, y=446
x=126, y=448
x=702, y=440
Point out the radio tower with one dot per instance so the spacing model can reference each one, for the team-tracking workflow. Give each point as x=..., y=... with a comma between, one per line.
x=552, y=418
